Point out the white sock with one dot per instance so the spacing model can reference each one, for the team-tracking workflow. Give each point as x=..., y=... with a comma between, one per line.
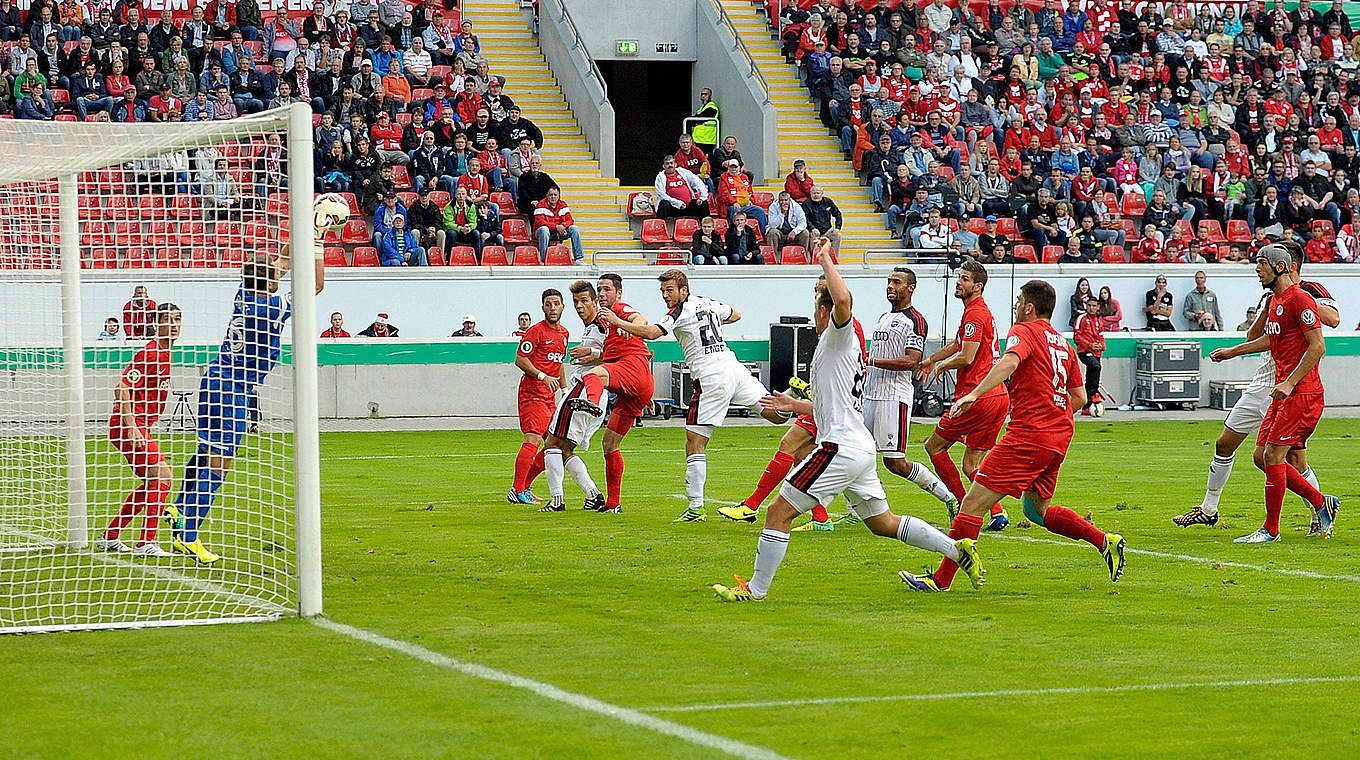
x=577, y=469
x=1219, y=470
x=923, y=477
x=769, y=553
x=552, y=468
x=1311, y=477
x=923, y=535
x=696, y=472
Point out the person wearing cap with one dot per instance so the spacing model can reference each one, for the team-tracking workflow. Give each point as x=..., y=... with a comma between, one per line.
x=679, y=191
x=367, y=82
x=516, y=127
x=380, y=328
x=469, y=329
x=440, y=37
x=398, y=247
x=734, y=194
x=163, y=104
x=496, y=101
x=387, y=211
x=553, y=222
x=426, y=220
x=798, y=184
x=386, y=138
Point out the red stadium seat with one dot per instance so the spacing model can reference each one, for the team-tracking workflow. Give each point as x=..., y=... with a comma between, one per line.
x=169, y=258
x=720, y=226
x=1007, y=227
x=277, y=204
x=559, y=256
x=502, y=200
x=139, y=258
x=1134, y=204
x=654, y=232
x=762, y=199
x=1187, y=231
x=436, y=256
x=443, y=72
x=685, y=228
x=1239, y=231
x=421, y=93
x=366, y=256
x=110, y=180
x=316, y=120
x=194, y=233
x=755, y=227
x=335, y=257
x=462, y=256
x=526, y=256
x=408, y=198
x=1324, y=228
x=793, y=254
x=441, y=199
x=494, y=256
x=767, y=253
x=118, y=207
x=233, y=256
x=104, y=258
x=353, y=202
x=163, y=233
x=401, y=178
x=65, y=116
x=183, y=206
x=356, y=233
x=671, y=257
x=515, y=232
x=1132, y=233
x=1210, y=231
x=1024, y=252
x=1052, y=253
x=96, y=233
x=638, y=215
x=127, y=234
x=203, y=257
x=1114, y=254
x=403, y=118
x=977, y=225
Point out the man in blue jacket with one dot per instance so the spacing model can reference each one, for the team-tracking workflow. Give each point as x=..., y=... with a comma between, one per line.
x=384, y=217
x=399, y=247
x=37, y=105
x=88, y=93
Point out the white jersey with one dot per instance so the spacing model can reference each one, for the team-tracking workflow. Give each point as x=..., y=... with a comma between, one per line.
x=592, y=337
x=837, y=371
x=896, y=333
x=696, y=324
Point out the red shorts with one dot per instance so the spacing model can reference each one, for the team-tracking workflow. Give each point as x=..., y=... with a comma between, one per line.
x=630, y=377
x=535, y=412
x=146, y=460
x=806, y=422
x=980, y=427
x=1289, y=421
x=1013, y=468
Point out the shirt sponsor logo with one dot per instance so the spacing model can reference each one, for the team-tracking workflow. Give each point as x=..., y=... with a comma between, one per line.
x=134, y=376
x=1012, y=342
x=1279, y=310
x=1308, y=318
x=969, y=330
x=526, y=347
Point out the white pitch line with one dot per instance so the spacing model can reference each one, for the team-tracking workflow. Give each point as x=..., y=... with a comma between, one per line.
x=1002, y=693
x=694, y=736
x=502, y=455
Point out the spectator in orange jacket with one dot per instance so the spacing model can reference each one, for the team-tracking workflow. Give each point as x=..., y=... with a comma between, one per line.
x=553, y=222
x=734, y=194
x=1090, y=346
x=798, y=184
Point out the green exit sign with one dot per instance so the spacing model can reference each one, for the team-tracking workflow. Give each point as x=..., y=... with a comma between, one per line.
x=626, y=47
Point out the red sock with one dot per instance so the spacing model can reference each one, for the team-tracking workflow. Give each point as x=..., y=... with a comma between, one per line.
x=997, y=509
x=1069, y=524
x=125, y=515
x=949, y=474
x=819, y=514
x=155, y=492
x=523, y=461
x=964, y=526
x=535, y=469
x=613, y=474
x=1277, y=479
x=1300, y=485
x=594, y=387
x=775, y=472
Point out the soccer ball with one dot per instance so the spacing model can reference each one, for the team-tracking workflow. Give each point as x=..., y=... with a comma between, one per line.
x=330, y=212
x=1097, y=409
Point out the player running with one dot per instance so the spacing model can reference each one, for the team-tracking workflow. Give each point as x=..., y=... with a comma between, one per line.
x=894, y=353
x=249, y=351
x=139, y=400
x=1046, y=388
x=844, y=460
x=973, y=352
x=568, y=427
x=1250, y=409
x=542, y=358
x=626, y=369
x=720, y=380
x=1293, y=335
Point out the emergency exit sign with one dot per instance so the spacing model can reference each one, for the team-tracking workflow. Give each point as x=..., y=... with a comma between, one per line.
x=626, y=47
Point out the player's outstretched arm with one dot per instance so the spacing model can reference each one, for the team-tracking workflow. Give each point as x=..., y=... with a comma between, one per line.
x=842, y=304
x=908, y=361
x=1254, y=346
x=733, y=317
x=928, y=368
x=786, y=404
x=284, y=263
x=637, y=325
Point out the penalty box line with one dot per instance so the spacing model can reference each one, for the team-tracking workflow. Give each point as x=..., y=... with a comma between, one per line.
x=727, y=746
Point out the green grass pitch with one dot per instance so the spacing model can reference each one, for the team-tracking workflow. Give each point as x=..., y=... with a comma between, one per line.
x=420, y=545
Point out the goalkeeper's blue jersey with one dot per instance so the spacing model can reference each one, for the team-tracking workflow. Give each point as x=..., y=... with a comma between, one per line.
x=251, y=347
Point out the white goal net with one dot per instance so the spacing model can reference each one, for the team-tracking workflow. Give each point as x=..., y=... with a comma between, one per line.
x=158, y=459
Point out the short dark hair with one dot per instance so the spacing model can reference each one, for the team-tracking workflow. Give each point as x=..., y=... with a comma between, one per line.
x=1041, y=296
x=911, y=276
x=548, y=292
x=1295, y=252
x=257, y=273
x=163, y=311
x=975, y=270
x=614, y=278
x=583, y=286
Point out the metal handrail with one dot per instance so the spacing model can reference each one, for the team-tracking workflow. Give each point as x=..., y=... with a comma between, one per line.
x=889, y=255
x=739, y=46
x=579, y=44
x=685, y=123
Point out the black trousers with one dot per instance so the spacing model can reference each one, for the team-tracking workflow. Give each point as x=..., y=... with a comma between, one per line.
x=1092, y=364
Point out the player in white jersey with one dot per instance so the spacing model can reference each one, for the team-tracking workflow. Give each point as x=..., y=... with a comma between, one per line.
x=720, y=380
x=1250, y=410
x=844, y=460
x=894, y=353
x=569, y=428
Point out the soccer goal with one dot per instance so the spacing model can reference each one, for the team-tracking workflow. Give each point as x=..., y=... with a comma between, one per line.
x=141, y=262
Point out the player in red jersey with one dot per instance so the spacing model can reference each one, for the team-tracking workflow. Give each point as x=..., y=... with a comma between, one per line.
x=541, y=357
x=626, y=369
x=139, y=401
x=1293, y=334
x=973, y=352
x=1046, y=388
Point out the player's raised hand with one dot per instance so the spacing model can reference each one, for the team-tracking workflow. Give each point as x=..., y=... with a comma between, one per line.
x=962, y=405
x=580, y=352
x=824, y=251
x=778, y=402
x=610, y=318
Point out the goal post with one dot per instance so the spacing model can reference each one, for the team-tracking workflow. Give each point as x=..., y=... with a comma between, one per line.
x=103, y=227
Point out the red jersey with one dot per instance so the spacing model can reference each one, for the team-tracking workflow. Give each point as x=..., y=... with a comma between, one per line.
x=1292, y=314
x=148, y=375
x=978, y=326
x=617, y=343
x=695, y=160
x=1048, y=369
x=331, y=332
x=546, y=348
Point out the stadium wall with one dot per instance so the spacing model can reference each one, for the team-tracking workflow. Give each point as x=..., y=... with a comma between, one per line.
x=580, y=80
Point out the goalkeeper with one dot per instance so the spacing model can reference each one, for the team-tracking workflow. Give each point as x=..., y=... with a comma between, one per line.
x=248, y=352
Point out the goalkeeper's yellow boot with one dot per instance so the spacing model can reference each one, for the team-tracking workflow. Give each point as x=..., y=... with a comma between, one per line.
x=738, y=512
x=969, y=561
x=175, y=518
x=195, y=549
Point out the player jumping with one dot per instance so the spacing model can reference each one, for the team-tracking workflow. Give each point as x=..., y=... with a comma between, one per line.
x=139, y=402
x=1293, y=334
x=844, y=460
x=249, y=351
x=973, y=352
x=542, y=358
x=1250, y=409
x=1046, y=388
x=570, y=428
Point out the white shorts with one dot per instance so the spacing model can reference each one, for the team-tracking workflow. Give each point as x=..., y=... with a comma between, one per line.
x=831, y=470
x=888, y=423
x=1249, y=411
x=571, y=425
x=733, y=385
